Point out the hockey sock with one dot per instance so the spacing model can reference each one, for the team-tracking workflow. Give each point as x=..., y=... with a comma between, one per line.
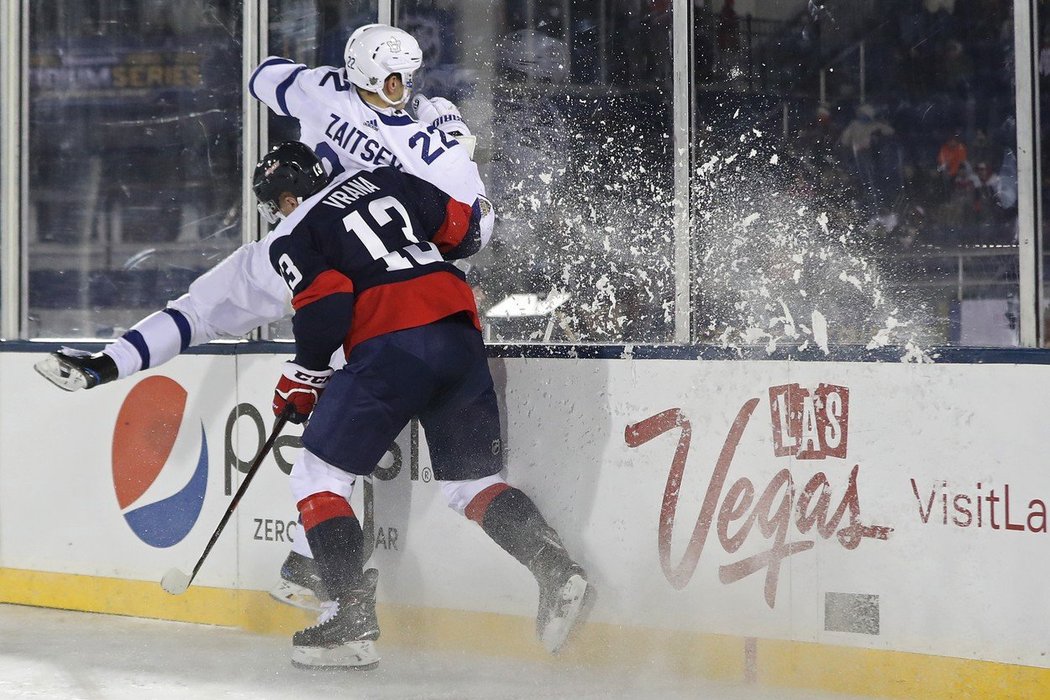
x=514, y=522
x=336, y=540
x=152, y=341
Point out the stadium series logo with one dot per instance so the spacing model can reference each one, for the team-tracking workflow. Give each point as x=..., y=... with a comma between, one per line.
x=805, y=426
x=143, y=439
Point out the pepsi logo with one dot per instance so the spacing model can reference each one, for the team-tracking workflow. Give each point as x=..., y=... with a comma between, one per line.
x=146, y=433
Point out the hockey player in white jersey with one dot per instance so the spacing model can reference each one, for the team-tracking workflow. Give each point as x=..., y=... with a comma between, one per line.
x=354, y=116
x=222, y=302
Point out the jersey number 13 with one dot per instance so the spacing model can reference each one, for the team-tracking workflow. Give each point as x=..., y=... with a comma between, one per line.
x=403, y=257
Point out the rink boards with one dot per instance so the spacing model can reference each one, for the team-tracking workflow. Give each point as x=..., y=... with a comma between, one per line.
x=869, y=528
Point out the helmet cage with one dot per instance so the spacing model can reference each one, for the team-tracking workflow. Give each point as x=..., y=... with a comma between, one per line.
x=270, y=212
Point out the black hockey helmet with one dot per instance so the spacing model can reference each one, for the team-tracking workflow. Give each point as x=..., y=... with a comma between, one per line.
x=288, y=167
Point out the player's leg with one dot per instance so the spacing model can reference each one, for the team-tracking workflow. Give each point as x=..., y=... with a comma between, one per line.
x=300, y=582
x=463, y=433
x=364, y=407
x=153, y=340
x=347, y=628
x=515, y=523
x=222, y=301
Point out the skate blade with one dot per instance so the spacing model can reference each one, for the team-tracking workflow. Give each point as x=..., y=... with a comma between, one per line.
x=578, y=595
x=356, y=656
x=295, y=595
x=60, y=373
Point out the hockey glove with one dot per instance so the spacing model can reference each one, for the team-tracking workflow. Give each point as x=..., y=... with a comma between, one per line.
x=298, y=390
x=440, y=113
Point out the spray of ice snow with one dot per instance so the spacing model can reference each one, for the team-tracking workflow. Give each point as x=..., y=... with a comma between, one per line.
x=778, y=267
x=770, y=256
x=591, y=218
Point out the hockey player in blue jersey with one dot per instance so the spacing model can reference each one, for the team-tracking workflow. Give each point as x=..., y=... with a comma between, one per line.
x=354, y=116
x=363, y=260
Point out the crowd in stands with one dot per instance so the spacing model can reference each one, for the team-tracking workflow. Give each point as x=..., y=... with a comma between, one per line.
x=928, y=156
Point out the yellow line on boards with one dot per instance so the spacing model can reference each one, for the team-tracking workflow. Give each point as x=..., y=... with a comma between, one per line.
x=251, y=610
x=885, y=673
x=774, y=663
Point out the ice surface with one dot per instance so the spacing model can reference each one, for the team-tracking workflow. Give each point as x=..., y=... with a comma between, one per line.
x=60, y=654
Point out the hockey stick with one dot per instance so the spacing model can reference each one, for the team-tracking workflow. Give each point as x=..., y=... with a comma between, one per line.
x=175, y=581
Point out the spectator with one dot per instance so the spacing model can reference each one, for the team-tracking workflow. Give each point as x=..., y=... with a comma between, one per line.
x=934, y=6
x=954, y=69
x=1006, y=194
x=950, y=159
x=981, y=148
x=958, y=207
x=821, y=169
x=858, y=137
x=655, y=27
x=911, y=22
x=819, y=137
x=985, y=184
x=940, y=18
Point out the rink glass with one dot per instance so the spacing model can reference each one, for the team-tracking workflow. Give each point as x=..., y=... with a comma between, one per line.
x=820, y=197
x=826, y=198
x=134, y=176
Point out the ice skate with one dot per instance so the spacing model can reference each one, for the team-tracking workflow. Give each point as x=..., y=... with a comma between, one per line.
x=71, y=370
x=300, y=583
x=345, y=633
x=565, y=597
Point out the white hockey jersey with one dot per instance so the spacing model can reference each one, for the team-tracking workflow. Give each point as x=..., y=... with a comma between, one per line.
x=349, y=134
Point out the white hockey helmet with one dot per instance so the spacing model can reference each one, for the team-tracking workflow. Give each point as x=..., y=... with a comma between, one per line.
x=374, y=51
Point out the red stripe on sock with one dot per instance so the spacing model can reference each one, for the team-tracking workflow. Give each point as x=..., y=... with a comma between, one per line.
x=319, y=507
x=475, y=510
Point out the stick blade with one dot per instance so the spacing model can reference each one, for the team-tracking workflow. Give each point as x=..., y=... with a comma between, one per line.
x=175, y=582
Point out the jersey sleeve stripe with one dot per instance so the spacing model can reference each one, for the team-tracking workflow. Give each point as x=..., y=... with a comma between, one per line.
x=454, y=227
x=265, y=64
x=325, y=284
x=282, y=89
x=459, y=235
x=184, y=328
